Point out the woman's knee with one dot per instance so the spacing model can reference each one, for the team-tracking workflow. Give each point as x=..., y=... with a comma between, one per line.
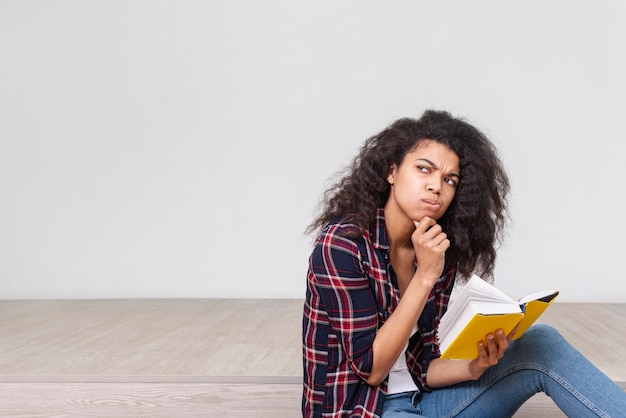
x=542, y=332
x=543, y=338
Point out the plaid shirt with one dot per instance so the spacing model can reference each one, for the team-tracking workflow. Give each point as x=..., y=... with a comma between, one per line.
x=351, y=291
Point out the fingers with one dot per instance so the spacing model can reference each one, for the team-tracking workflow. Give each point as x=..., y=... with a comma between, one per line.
x=503, y=342
x=497, y=344
x=511, y=335
x=423, y=225
x=490, y=352
x=430, y=244
x=428, y=231
x=483, y=355
x=441, y=241
x=493, y=349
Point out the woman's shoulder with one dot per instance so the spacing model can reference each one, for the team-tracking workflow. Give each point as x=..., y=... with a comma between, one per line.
x=342, y=228
x=344, y=235
x=342, y=246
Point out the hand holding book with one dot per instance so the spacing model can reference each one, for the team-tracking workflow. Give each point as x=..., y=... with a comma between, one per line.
x=480, y=309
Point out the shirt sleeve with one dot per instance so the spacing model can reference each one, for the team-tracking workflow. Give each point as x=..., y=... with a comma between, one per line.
x=344, y=290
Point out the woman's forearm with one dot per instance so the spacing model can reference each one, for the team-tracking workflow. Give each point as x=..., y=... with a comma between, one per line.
x=444, y=372
x=392, y=337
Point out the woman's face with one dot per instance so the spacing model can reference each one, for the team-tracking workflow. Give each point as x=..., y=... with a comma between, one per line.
x=425, y=182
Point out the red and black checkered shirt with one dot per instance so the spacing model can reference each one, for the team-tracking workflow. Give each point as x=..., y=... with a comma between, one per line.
x=351, y=291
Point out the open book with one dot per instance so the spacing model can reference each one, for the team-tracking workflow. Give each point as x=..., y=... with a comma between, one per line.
x=480, y=309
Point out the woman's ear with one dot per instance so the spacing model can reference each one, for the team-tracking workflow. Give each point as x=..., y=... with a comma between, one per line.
x=391, y=177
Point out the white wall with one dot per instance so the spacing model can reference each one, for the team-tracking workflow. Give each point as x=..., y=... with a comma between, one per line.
x=178, y=148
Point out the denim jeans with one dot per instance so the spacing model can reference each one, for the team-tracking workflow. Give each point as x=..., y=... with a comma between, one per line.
x=541, y=361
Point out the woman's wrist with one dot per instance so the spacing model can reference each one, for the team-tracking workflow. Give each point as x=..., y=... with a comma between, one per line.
x=475, y=370
x=424, y=279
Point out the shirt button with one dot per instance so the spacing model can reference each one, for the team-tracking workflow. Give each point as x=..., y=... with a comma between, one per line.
x=424, y=362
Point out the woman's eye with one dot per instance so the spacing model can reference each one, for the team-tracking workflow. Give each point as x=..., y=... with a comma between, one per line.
x=423, y=169
x=450, y=181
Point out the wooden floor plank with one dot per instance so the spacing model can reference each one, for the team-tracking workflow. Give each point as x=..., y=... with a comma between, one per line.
x=183, y=357
x=143, y=337
x=199, y=337
x=176, y=400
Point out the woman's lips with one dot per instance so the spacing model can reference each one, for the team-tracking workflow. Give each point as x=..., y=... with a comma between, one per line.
x=431, y=202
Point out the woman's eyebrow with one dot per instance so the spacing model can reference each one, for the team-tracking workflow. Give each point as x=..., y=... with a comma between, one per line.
x=433, y=165
x=436, y=167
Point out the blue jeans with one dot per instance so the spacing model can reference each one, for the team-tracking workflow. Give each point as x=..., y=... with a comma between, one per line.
x=540, y=361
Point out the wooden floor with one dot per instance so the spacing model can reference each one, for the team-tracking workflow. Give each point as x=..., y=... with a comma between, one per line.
x=202, y=357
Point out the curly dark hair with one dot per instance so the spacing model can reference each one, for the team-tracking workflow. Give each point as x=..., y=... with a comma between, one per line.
x=475, y=219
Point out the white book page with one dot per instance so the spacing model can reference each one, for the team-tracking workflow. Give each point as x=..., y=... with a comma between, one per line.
x=477, y=296
x=538, y=295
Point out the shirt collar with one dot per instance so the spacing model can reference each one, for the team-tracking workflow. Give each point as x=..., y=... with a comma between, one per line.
x=378, y=231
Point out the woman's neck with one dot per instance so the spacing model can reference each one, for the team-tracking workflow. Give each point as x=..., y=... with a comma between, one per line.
x=399, y=228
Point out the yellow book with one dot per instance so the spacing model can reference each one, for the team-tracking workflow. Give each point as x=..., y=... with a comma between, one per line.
x=480, y=309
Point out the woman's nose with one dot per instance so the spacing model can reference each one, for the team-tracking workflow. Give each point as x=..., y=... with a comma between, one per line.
x=434, y=187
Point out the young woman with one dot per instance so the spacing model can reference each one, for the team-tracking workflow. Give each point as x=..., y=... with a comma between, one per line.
x=422, y=206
